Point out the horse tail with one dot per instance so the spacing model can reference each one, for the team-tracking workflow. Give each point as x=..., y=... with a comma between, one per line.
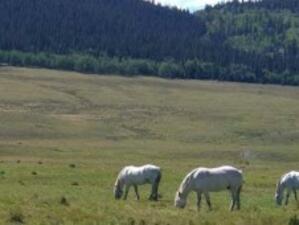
x=242, y=178
x=155, y=195
x=238, y=185
x=239, y=190
x=158, y=178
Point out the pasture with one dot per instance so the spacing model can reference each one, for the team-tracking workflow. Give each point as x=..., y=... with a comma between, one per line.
x=64, y=137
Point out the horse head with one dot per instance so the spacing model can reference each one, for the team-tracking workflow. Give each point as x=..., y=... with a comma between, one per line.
x=279, y=194
x=118, y=190
x=278, y=199
x=179, y=201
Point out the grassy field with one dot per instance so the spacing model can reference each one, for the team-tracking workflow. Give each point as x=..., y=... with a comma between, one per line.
x=64, y=137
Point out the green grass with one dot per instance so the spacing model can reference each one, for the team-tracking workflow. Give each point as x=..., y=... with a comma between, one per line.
x=52, y=119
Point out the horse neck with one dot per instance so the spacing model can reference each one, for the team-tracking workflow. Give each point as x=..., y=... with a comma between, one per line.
x=186, y=186
x=119, y=182
x=280, y=187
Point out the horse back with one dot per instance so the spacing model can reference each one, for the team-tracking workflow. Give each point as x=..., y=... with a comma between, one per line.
x=142, y=175
x=217, y=179
x=290, y=179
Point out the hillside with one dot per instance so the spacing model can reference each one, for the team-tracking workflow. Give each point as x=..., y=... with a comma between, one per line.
x=254, y=41
x=261, y=35
x=127, y=28
x=65, y=135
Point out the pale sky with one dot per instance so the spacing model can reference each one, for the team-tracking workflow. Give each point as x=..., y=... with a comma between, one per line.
x=188, y=4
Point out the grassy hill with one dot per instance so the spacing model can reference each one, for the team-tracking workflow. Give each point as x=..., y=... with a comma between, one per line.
x=67, y=135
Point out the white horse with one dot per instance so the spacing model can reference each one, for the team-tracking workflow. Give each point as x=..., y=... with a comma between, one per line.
x=289, y=181
x=134, y=176
x=205, y=180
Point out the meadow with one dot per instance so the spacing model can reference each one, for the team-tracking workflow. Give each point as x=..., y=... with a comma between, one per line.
x=64, y=137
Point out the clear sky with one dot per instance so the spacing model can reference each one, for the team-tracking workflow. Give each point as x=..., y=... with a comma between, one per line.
x=188, y=4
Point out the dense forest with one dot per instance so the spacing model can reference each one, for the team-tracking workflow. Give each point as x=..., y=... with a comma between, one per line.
x=252, y=41
x=123, y=28
x=261, y=35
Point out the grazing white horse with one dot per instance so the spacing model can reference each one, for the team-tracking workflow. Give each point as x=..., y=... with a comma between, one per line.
x=134, y=176
x=205, y=180
x=289, y=181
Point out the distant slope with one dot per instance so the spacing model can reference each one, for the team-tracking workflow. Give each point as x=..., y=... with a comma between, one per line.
x=55, y=105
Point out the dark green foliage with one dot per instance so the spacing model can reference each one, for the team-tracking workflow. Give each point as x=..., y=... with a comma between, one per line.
x=248, y=41
x=17, y=217
x=127, y=28
x=86, y=64
x=64, y=201
x=82, y=63
x=294, y=220
x=191, y=69
x=256, y=41
x=170, y=70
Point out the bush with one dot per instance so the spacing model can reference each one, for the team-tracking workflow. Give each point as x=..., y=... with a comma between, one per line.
x=86, y=64
x=192, y=68
x=16, y=216
x=65, y=62
x=170, y=70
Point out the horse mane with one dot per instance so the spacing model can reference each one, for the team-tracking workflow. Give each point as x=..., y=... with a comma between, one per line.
x=279, y=186
x=186, y=182
x=118, y=179
x=116, y=182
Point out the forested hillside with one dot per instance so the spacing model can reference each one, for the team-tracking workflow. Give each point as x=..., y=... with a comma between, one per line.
x=123, y=28
x=261, y=35
x=254, y=41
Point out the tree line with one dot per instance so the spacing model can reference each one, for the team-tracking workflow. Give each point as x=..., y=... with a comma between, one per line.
x=247, y=41
x=190, y=69
x=261, y=35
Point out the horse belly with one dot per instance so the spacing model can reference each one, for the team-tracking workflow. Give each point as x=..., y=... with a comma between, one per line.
x=136, y=180
x=141, y=181
x=216, y=188
x=140, y=177
x=214, y=184
x=294, y=184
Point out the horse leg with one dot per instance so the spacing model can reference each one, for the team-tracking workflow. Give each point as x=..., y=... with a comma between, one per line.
x=152, y=195
x=198, y=199
x=207, y=196
x=287, y=197
x=155, y=187
x=238, y=198
x=233, y=200
x=136, y=192
x=295, y=194
x=126, y=192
